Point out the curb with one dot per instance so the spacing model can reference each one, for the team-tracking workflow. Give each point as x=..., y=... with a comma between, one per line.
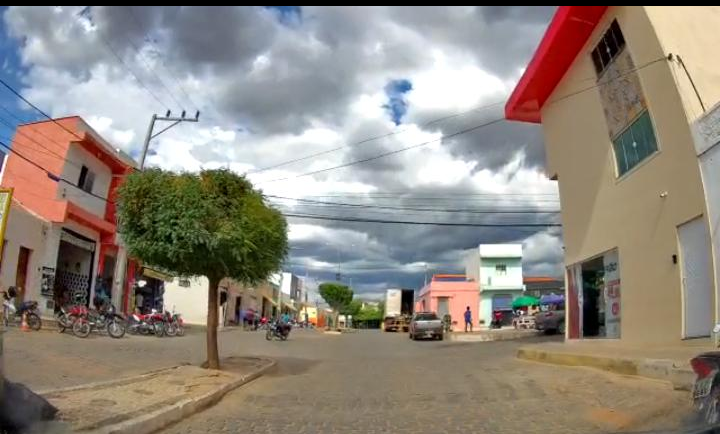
x=159, y=419
x=681, y=378
x=101, y=384
x=491, y=336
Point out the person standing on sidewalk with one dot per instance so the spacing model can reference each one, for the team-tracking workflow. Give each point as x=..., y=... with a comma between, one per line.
x=468, y=319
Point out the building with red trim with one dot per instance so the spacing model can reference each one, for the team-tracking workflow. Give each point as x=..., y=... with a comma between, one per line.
x=61, y=241
x=617, y=90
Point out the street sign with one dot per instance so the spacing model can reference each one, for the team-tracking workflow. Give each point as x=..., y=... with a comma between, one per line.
x=5, y=201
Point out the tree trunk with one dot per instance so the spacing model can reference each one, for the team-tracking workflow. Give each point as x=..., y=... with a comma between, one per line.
x=213, y=358
x=336, y=324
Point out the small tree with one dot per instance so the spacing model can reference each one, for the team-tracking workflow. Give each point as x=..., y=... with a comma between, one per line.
x=212, y=224
x=337, y=295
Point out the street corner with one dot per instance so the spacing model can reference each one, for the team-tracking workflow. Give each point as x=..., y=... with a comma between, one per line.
x=146, y=403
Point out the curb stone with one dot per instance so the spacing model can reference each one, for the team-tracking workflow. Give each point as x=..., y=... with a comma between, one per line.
x=681, y=377
x=163, y=417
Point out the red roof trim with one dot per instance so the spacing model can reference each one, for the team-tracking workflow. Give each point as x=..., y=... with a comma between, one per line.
x=566, y=35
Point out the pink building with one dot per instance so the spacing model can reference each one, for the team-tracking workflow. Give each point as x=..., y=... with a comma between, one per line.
x=450, y=293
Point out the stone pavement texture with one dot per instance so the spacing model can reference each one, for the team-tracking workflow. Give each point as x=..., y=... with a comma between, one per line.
x=49, y=360
x=372, y=382
x=118, y=401
x=367, y=382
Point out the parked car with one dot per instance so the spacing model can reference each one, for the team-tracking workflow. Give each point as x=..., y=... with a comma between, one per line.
x=426, y=325
x=551, y=321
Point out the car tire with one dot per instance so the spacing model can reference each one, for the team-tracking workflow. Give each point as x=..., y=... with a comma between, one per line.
x=441, y=337
x=561, y=328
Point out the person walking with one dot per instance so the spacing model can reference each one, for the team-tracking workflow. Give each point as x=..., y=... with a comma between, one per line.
x=468, y=319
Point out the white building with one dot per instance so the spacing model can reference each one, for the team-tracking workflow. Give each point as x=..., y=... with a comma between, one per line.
x=498, y=270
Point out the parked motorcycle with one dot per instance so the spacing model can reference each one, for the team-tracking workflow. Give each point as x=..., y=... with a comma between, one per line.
x=279, y=331
x=706, y=390
x=15, y=316
x=104, y=318
x=65, y=318
x=496, y=322
x=145, y=324
x=178, y=323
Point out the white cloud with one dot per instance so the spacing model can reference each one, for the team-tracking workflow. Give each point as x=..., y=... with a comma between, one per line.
x=270, y=94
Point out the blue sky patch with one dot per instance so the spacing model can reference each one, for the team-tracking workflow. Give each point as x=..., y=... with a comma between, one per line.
x=397, y=104
x=287, y=15
x=12, y=109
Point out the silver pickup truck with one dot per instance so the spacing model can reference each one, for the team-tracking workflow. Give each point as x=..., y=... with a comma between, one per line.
x=426, y=325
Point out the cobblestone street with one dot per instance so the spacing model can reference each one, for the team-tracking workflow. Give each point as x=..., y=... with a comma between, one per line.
x=366, y=382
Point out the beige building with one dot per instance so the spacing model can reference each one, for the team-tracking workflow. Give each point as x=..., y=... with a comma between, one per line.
x=617, y=90
x=188, y=296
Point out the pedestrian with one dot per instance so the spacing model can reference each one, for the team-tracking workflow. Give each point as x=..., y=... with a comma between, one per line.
x=468, y=319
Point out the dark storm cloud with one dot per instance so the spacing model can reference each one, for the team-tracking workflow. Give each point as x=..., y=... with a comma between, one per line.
x=276, y=79
x=308, y=72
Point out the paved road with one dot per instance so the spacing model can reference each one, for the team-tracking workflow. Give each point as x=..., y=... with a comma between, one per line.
x=366, y=382
x=370, y=382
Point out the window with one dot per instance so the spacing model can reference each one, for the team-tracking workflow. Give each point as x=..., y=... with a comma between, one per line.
x=611, y=43
x=425, y=317
x=86, y=180
x=501, y=269
x=634, y=144
x=183, y=282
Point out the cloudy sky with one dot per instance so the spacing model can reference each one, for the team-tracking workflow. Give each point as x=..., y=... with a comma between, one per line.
x=313, y=84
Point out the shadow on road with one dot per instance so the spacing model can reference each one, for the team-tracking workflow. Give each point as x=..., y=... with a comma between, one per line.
x=287, y=366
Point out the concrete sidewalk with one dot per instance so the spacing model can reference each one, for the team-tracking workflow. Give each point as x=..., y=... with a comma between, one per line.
x=146, y=403
x=488, y=335
x=660, y=362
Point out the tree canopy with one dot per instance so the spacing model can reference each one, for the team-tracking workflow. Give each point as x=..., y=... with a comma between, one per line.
x=212, y=224
x=337, y=295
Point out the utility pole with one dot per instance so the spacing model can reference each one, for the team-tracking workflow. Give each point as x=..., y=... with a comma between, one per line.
x=149, y=136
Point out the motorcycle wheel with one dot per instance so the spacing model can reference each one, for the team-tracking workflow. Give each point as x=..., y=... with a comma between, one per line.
x=170, y=329
x=81, y=328
x=283, y=336
x=268, y=335
x=180, y=330
x=62, y=322
x=115, y=329
x=159, y=329
x=33, y=321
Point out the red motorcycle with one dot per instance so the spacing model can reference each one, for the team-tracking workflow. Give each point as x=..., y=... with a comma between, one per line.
x=152, y=323
x=66, y=318
x=497, y=321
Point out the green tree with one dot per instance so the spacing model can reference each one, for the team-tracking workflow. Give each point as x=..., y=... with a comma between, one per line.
x=352, y=308
x=337, y=295
x=212, y=224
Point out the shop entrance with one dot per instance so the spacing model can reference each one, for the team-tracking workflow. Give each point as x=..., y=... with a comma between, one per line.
x=74, y=267
x=593, y=302
x=150, y=289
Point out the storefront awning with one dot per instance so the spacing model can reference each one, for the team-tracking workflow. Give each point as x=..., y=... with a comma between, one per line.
x=155, y=274
x=273, y=302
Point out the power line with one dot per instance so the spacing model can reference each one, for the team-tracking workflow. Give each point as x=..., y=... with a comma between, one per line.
x=50, y=175
x=412, y=222
x=151, y=69
x=370, y=139
x=397, y=208
x=38, y=109
x=385, y=154
x=123, y=64
x=467, y=130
